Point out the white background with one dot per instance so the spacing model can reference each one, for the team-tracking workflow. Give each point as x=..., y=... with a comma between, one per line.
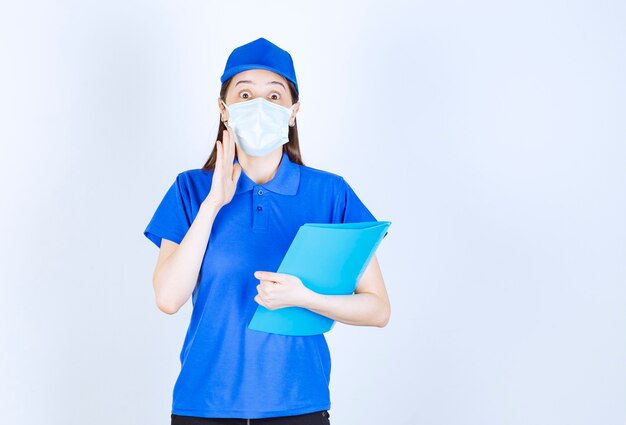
x=491, y=134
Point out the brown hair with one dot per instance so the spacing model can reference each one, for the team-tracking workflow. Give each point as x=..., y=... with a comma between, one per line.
x=292, y=147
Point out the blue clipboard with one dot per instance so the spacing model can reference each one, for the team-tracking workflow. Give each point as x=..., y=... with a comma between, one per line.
x=329, y=258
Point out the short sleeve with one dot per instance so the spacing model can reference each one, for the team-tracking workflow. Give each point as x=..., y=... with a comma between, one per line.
x=170, y=220
x=349, y=207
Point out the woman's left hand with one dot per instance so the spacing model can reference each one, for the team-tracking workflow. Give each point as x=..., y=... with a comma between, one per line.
x=278, y=290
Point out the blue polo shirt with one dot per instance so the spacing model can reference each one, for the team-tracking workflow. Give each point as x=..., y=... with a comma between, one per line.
x=227, y=370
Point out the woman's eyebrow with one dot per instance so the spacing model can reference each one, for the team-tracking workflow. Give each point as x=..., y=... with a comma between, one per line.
x=251, y=82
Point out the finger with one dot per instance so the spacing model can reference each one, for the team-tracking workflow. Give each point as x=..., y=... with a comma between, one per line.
x=269, y=283
x=228, y=158
x=276, y=277
x=236, y=172
x=229, y=153
x=218, y=157
x=232, y=140
x=226, y=144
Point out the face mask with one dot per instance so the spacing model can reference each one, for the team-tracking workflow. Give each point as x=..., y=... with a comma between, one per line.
x=260, y=126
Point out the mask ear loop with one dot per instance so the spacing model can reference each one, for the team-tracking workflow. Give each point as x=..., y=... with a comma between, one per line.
x=291, y=109
x=225, y=107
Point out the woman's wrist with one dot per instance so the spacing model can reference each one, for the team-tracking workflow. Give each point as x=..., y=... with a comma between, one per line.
x=311, y=300
x=211, y=204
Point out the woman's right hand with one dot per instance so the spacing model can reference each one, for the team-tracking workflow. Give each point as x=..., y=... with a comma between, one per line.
x=226, y=174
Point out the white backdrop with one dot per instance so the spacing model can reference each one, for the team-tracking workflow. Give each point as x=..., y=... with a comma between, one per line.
x=491, y=134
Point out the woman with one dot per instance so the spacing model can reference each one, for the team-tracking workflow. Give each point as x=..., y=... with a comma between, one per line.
x=221, y=231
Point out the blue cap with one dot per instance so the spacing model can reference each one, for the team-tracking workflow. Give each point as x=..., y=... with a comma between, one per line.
x=260, y=54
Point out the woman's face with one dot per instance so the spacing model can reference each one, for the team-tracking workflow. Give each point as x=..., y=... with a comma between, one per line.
x=255, y=83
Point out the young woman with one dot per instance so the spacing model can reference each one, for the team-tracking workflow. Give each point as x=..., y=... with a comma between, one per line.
x=223, y=228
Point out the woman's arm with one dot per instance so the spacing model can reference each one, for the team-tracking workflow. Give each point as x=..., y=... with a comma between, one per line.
x=369, y=306
x=178, y=266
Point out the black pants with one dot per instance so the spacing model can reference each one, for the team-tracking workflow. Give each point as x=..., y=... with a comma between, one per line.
x=321, y=417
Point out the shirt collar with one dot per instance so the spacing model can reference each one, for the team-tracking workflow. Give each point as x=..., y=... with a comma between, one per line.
x=285, y=181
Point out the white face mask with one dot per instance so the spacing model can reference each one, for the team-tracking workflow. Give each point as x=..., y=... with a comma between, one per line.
x=260, y=126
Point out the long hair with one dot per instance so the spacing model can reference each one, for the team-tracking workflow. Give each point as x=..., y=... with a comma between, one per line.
x=292, y=147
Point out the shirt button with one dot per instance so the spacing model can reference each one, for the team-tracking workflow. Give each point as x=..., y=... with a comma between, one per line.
x=259, y=208
x=260, y=192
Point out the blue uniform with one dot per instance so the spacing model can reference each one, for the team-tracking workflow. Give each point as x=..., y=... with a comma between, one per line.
x=228, y=370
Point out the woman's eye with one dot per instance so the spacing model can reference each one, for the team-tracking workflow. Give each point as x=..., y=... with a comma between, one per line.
x=246, y=95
